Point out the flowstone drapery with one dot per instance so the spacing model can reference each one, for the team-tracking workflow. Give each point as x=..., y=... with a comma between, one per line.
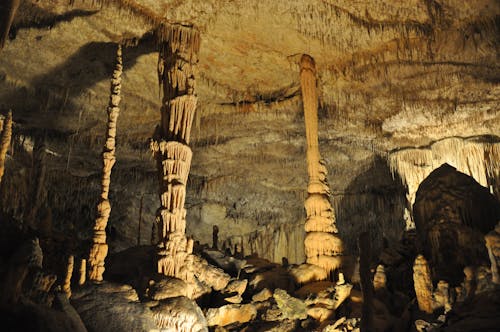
x=177, y=68
x=99, y=249
x=323, y=247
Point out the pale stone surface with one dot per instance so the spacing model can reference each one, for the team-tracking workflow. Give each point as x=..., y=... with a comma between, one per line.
x=179, y=314
x=231, y=313
x=423, y=284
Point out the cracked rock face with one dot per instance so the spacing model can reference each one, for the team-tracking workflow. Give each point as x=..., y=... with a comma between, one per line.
x=390, y=75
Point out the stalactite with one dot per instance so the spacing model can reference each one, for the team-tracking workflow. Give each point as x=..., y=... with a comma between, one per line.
x=423, y=284
x=323, y=247
x=471, y=156
x=5, y=142
x=67, y=278
x=99, y=249
x=177, y=69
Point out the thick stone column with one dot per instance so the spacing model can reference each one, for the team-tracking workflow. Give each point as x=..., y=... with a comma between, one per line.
x=99, y=249
x=323, y=247
x=177, y=69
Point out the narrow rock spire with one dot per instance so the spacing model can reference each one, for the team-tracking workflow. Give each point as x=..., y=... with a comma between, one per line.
x=99, y=249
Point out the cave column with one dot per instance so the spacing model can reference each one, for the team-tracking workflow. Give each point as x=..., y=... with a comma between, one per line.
x=177, y=69
x=99, y=249
x=323, y=247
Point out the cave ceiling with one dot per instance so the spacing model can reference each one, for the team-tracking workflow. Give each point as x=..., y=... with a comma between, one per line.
x=390, y=74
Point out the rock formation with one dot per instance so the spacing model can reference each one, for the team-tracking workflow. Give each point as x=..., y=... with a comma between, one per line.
x=177, y=69
x=452, y=213
x=5, y=142
x=423, y=284
x=493, y=245
x=474, y=157
x=69, y=274
x=323, y=247
x=99, y=249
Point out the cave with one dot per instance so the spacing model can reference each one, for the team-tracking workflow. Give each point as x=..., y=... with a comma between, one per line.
x=258, y=165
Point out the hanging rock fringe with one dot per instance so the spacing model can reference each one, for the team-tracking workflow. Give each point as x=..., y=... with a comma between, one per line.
x=99, y=249
x=322, y=246
x=477, y=158
x=5, y=142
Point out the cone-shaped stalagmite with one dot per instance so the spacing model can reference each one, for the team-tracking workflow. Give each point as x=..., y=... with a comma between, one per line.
x=99, y=249
x=323, y=247
x=423, y=284
x=177, y=67
x=5, y=142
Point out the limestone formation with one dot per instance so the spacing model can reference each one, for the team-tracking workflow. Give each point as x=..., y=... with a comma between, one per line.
x=323, y=246
x=177, y=69
x=475, y=158
x=452, y=213
x=379, y=279
x=306, y=273
x=5, y=142
x=231, y=313
x=423, y=284
x=67, y=278
x=493, y=245
x=179, y=314
x=99, y=249
x=82, y=272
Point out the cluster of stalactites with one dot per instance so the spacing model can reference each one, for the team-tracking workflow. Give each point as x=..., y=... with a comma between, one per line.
x=478, y=159
x=177, y=72
x=176, y=75
x=99, y=249
x=323, y=247
x=5, y=142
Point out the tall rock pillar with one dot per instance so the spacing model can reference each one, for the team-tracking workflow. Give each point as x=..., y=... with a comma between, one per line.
x=177, y=69
x=323, y=247
x=99, y=249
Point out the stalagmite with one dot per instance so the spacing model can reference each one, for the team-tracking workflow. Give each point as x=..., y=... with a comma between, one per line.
x=99, y=249
x=67, y=278
x=323, y=247
x=423, y=284
x=5, y=142
x=379, y=279
x=83, y=272
x=177, y=68
x=493, y=245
